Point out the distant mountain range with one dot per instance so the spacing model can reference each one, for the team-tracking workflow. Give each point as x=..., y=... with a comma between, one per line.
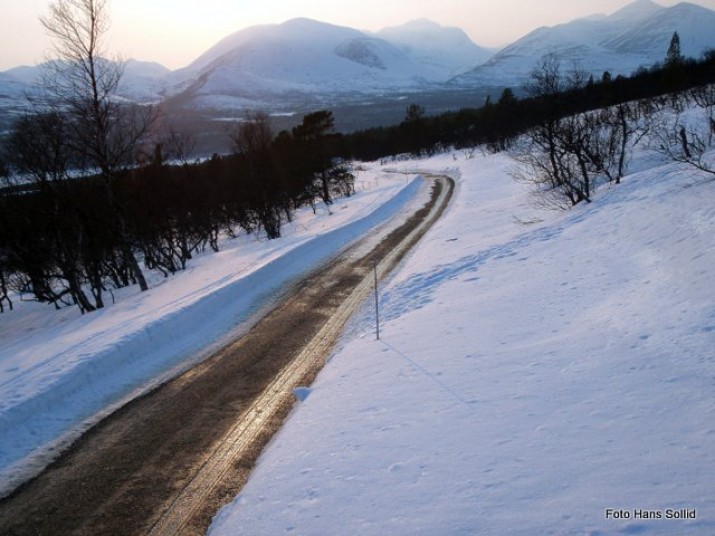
x=142, y=80
x=637, y=35
x=304, y=60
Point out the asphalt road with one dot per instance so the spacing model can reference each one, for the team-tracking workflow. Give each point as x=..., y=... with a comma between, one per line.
x=166, y=462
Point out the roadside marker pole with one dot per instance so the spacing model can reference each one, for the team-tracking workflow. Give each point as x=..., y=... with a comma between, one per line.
x=377, y=306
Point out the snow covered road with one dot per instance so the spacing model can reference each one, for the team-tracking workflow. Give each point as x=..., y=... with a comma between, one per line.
x=265, y=411
x=60, y=373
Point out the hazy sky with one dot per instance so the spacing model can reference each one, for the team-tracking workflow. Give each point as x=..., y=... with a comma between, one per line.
x=175, y=32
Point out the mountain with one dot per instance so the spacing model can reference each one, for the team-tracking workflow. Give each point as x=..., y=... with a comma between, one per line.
x=309, y=58
x=12, y=91
x=302, y=62
x=445, y=51
x=143, y=81
x=11, y=86
x=637, y=35
x=14, y=99
x=24, y=74
x=651, y=37
x=295, y=64
x=639, y=9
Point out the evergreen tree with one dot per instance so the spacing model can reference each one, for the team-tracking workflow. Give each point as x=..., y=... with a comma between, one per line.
x=674, y=55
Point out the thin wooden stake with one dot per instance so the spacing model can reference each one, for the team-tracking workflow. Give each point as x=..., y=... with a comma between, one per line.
x=377, y=303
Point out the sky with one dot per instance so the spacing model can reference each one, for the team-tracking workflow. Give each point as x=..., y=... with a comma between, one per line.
x=176, y=32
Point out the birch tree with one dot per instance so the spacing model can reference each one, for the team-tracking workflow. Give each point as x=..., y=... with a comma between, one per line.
x=83, y=82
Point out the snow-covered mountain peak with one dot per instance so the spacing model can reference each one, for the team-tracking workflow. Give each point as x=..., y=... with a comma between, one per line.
x=298, y=57
x=443, y=50
x=652, y=35
x=637, y=10
x=423, y=32
x=225, y=45
x=421, y=23
x=148, y=69
x=637, y=35
x=298, y=30
x=312, y=31
x=299, y=26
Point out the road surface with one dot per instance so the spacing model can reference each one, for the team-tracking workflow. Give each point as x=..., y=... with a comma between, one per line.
x=165, y=463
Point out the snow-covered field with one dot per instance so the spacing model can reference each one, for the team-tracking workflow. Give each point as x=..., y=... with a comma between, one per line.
x=60, y=372
x=538, y=373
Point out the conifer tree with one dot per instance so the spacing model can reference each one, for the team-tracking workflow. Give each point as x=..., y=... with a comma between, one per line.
x=674, y=55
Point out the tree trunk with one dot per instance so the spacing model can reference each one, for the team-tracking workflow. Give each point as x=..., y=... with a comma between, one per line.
x=4, y=297
x=684, y=143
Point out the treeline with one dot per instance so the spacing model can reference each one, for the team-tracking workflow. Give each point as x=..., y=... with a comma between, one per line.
x=571, y=132
x=62, y=242
x=497, y=124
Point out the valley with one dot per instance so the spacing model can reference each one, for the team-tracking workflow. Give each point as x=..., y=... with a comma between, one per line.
x=352, y=112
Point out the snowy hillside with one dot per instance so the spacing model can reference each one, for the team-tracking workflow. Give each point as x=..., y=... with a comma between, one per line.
x=538, y=373
x=637, y=35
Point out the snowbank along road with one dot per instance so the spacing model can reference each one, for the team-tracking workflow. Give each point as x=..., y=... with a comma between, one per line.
x=165, y=463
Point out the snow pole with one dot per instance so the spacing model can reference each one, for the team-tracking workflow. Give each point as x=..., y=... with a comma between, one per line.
x=377, y=303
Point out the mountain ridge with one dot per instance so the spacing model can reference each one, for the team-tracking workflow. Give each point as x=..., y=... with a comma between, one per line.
x=637, y=35
x=303, y=60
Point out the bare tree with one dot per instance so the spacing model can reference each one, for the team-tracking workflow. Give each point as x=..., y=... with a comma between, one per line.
x=685, y=140
x=4, y=295
x=179, y=145
x=623, y=132
x=39, y=152
x=253, y=135
x=704, y=97
x=5, y=270
x=546, y=79
x=567, y=152
x=414, y=112
x=83, y=83
x=682, y=127
x=252, y=141
x=555, y=157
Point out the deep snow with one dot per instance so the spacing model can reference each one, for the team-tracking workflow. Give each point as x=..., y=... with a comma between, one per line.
x=535, y=370
x=60, y=372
